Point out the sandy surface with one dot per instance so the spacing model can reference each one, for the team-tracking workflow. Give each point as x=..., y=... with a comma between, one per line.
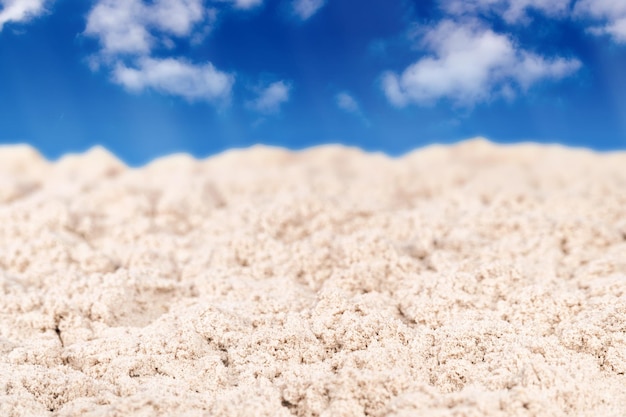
x=474, y=280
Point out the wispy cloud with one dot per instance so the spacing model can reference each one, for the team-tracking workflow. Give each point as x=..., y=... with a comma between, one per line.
x=347, y=103
x=271, y=98
x=608, y=17
x=512, y=11
x=176, y=77
x=469, y=63
x=610, y=13
x=304, y=9
x=21, y=10
x=243, y=4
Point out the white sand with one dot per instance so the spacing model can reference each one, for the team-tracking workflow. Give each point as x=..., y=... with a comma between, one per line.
x=475, y=280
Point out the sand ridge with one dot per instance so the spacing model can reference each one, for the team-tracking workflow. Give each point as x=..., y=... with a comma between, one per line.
x=465, y=280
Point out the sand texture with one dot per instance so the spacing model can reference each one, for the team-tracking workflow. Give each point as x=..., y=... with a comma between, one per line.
x=471, y=280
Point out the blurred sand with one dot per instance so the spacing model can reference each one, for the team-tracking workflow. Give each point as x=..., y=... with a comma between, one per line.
x=472, y=280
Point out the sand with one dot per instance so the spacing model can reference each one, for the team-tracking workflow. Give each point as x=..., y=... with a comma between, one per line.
x=471, y=280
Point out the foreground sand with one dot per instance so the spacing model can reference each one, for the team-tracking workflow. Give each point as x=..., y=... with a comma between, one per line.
x=474, y=280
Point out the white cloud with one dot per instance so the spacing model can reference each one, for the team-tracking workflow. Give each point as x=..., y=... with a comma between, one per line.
x=611, y=12
x=120, y=26
x=271, y=97
x=176, y=77
x=610, y=15
x=243, y=4
x=130, y=31
x=512, y=11
x=177, y=17
x=20, y=10
x=470, y=64
x=346, y=102
x=307, y=8
x=132, y=26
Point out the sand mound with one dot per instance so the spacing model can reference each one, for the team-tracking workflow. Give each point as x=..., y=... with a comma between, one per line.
x=472, y=280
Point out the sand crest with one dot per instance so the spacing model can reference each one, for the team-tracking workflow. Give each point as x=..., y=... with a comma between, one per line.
x=471, y=280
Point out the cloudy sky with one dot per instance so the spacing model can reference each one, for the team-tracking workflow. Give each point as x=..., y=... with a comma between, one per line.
x=151, y=77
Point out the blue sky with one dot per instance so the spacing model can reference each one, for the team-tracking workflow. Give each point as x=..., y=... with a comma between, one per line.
x=147, y=78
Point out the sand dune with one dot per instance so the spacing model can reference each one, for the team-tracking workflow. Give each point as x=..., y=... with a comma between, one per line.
x=471, y=280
